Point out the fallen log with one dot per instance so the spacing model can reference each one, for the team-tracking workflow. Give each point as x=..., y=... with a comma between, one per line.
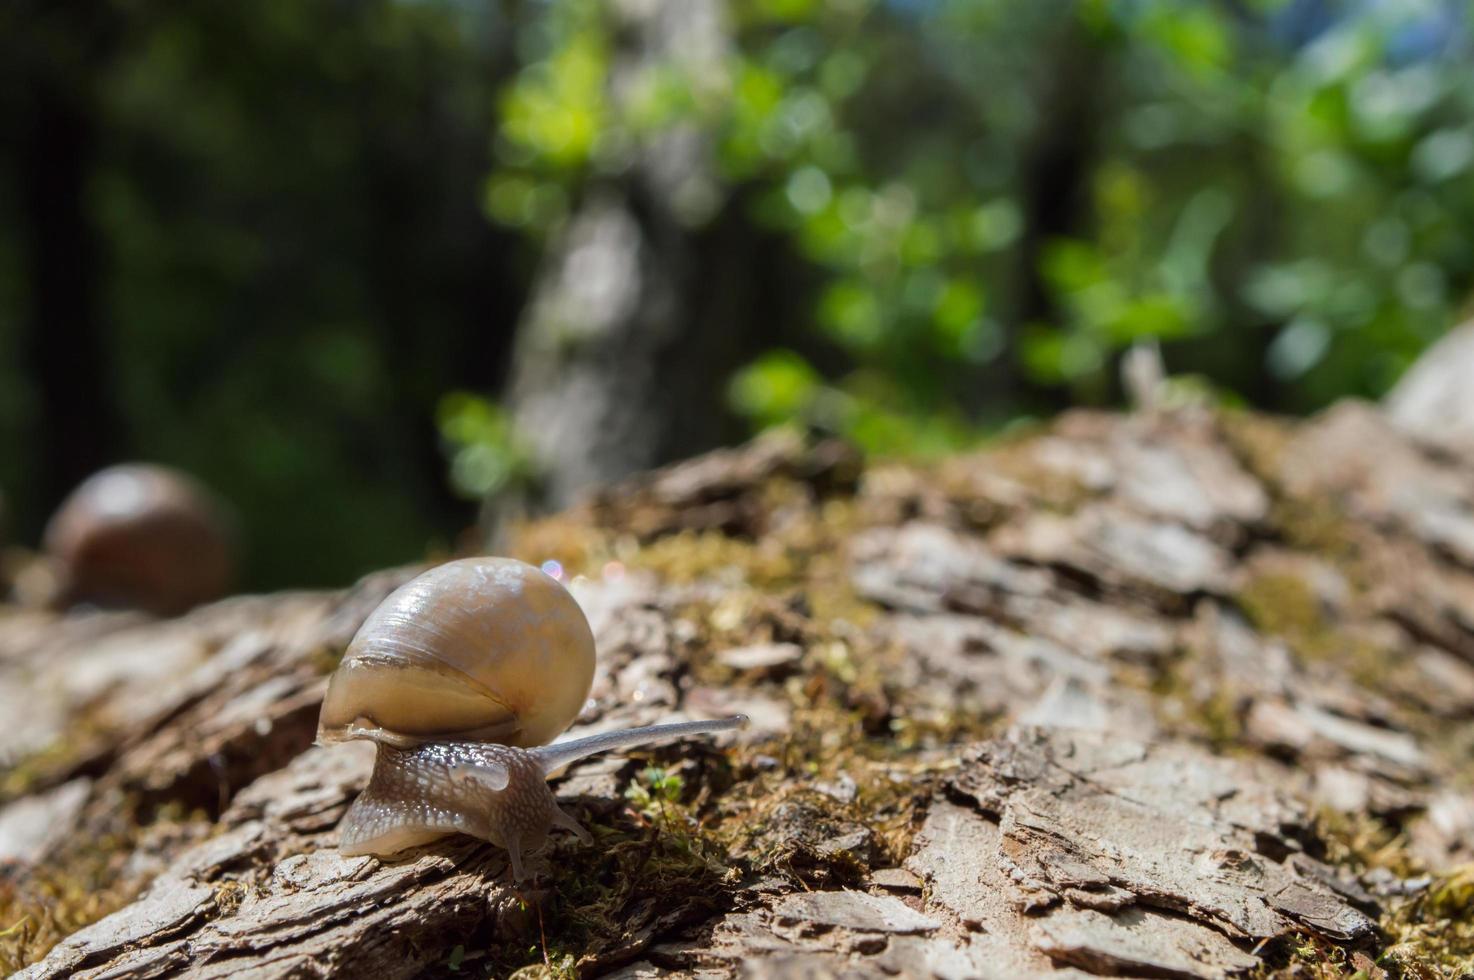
x=1182, y=693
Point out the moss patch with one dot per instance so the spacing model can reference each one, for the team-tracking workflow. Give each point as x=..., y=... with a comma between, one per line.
x=1213, y=715
x=824, y=804
x=1427, y=935
x=85, y=880
x=1284, y=605
x=83, y=745
x=1433, y=933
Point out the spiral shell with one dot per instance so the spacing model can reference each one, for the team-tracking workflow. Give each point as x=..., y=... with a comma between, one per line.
x=481, y=649
x=140, y=536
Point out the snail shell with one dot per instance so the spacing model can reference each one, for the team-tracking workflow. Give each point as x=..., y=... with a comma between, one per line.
x=140, y=536
x=481, y=649
x=461, y=677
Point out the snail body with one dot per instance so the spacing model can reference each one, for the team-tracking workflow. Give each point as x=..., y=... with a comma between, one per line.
x=460, y=678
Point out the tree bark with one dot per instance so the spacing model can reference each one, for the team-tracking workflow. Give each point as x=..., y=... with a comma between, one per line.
x=1434, y=400
x=1180, y=694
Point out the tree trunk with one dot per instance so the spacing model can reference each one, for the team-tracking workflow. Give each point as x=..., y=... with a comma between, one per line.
x=65, y=347
x=648, y=293
x=1181, y=695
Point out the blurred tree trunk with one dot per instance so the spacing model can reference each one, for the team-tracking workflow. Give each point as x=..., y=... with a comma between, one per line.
x=1056, y=171
x=59, y=55
x=647, y=299
x=420, y=235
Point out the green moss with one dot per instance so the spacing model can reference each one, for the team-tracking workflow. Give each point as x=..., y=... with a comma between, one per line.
x=1282, y=605
x=50, y=903
x=691, y=556
x=1432, y=934
x=85, y=879
x=1316, y=524
x=51, y=765
x=1425, y=936
x=701, y=831
x=969, y=484
x=698, y=828
x=1305, y=956
x=598, y=902
x=1322, y=528
x=1219, y=719
x=1185, y=706
x=1258, y=441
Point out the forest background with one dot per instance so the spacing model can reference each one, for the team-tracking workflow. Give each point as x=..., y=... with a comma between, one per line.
x=359, y=265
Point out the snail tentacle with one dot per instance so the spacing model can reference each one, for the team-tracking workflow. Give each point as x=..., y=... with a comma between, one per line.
x=514, y=856
x=556, y=756
x=562, y=819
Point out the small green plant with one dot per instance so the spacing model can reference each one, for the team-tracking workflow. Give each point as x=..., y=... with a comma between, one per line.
x=653, y=789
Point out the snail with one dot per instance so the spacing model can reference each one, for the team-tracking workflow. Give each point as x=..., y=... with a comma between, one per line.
x=462, y=677
x=139, y=536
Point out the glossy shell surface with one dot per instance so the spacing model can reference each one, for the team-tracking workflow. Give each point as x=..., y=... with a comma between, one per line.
x=481, y=649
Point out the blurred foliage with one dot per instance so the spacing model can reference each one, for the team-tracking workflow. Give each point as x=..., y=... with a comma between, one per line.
x=292, y=263
x=312, y=221
x=1001, y=197
x=486, y=457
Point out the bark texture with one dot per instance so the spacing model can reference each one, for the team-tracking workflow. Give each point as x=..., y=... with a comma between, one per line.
x=1434, y=397
x=1167, y=695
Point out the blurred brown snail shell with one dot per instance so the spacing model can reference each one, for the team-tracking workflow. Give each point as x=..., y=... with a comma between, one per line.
x=139, y=536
